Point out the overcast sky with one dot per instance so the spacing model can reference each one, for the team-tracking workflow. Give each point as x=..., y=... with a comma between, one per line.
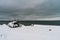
x=30, y=9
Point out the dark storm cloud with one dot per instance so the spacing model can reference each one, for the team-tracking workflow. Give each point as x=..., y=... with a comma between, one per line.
x=29, y=9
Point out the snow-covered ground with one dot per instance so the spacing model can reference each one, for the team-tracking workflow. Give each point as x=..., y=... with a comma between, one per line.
x=36, y=32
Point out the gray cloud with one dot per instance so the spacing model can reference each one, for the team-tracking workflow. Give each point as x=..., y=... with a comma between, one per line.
x=29, y=9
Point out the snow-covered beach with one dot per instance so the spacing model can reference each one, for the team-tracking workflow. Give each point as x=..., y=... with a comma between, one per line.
x=36, y=32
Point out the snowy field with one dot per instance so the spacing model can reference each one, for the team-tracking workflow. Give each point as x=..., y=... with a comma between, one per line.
x=36, y=32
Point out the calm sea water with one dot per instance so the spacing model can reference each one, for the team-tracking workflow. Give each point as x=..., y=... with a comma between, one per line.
x=34, y=22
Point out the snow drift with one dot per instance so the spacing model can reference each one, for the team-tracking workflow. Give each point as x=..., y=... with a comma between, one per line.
x=36, y=32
